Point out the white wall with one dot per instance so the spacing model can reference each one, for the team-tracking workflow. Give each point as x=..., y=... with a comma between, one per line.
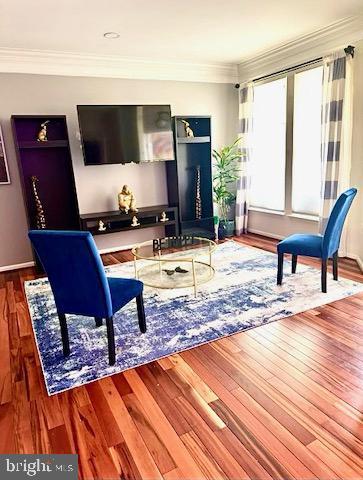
x=97, y=186
x=278, y=225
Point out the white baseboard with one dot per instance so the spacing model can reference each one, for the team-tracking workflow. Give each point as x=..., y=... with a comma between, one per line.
x=355, y=257
x=17, y=266
x=115, y=249
x=120, y=248
x=266, y=234
x=6, y=268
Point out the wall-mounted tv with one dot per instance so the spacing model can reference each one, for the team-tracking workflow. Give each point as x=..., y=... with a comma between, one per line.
x=125, y=133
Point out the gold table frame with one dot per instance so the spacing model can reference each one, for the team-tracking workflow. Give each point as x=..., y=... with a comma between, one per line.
x=193, y=260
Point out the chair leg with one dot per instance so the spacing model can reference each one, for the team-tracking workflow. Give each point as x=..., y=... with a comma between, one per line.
x=335, y=266
x=294, y=263
x=98, y=321
x=111, y=341
x=64, y=334
x=280, y=268
x=324, y=264
x=141, y=313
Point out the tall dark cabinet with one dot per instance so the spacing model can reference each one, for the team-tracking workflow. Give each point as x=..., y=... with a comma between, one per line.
x=192, y=172
x=51, y=163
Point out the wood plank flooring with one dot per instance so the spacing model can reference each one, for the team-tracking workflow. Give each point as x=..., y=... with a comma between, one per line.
x=283, y=401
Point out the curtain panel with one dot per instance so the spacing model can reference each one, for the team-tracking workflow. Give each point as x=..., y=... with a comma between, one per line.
x=245, y=132
x=336, y=131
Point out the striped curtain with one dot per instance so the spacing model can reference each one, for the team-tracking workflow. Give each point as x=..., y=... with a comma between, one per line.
x=334, y=87
x=245, y=131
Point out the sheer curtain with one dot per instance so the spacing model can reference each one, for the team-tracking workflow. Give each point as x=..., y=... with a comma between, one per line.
x=336, y=133
x=243, y=182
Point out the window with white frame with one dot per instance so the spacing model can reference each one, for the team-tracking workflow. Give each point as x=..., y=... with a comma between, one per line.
x=286, y=138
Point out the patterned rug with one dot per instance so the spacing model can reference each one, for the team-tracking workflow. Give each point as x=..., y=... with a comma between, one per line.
x=242, y=295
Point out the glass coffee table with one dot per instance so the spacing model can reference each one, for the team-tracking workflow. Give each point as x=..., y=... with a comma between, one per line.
x=174, y=262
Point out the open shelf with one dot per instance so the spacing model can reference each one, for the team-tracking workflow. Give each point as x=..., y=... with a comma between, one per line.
x=95, y=231
x=48, y=144
x=204, y=139
x=116, y=221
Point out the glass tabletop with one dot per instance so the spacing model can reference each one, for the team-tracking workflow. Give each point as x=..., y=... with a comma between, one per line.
x=174, y=262
x=187, y=246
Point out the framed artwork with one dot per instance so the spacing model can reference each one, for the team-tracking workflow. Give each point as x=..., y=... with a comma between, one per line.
x=4, y=170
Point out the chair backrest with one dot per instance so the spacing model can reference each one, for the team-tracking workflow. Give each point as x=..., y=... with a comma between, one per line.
x=75, y=271
x=335, y=223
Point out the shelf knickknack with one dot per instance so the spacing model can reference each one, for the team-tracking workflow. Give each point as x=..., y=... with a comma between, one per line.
x=4, y=170
x=40, y=217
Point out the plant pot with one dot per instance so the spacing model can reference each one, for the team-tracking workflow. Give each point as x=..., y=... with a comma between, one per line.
x=228, y=227
x=221, y=231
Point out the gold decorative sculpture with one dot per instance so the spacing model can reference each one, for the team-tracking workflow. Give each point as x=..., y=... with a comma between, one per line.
x=172, y=271
x=42, y=134
x=126, y=200
x=135, y=222
x=163, y=218
x=101, y=226
x=188, y=131
x=40, y=217
x=198, y=200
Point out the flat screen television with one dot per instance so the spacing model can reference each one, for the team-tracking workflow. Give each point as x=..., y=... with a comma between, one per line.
x=125, y=133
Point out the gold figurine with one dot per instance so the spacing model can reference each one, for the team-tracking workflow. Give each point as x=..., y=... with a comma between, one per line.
x=163, y=218
x=42, y=134
x=135, y=222
x=188, y=131
x=198, y=200
x=101, y=226
x=126, y=200
x=40, y=217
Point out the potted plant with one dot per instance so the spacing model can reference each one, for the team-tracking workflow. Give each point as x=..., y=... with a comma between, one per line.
x=224, y=175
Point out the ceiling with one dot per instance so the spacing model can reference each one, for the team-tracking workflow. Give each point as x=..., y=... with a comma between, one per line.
x=203, y=31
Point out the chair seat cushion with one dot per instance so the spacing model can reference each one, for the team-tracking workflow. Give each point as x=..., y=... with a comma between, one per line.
x=301, y=244
x=123, y=290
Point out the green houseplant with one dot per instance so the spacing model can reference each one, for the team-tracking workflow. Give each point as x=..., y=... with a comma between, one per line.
x=225, y=170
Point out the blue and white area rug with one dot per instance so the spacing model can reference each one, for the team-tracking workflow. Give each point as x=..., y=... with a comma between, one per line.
x=243, y=294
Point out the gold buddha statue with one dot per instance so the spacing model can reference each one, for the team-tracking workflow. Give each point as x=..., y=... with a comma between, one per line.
x=126, y=200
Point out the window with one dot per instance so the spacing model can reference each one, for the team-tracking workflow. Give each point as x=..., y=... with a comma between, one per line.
x=268, y=161
x=306, y=160
x=286, y=163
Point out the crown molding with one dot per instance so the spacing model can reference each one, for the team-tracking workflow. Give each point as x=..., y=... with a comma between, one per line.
x=316, y=44
x=43, y=62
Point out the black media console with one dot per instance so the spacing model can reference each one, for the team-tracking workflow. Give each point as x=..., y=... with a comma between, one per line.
x=102, y=223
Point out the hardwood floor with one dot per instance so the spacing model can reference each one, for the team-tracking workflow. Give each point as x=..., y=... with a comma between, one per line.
x=282, y=401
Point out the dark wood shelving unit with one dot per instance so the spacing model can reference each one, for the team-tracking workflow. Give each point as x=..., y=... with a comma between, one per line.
x=191, y=153
x=51, y=163
x=116, y=221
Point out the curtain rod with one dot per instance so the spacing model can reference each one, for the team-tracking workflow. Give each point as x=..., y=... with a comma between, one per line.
x=349, y=50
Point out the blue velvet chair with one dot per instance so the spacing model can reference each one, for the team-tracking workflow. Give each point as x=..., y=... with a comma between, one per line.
x=79, y=283
x=320, y=246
